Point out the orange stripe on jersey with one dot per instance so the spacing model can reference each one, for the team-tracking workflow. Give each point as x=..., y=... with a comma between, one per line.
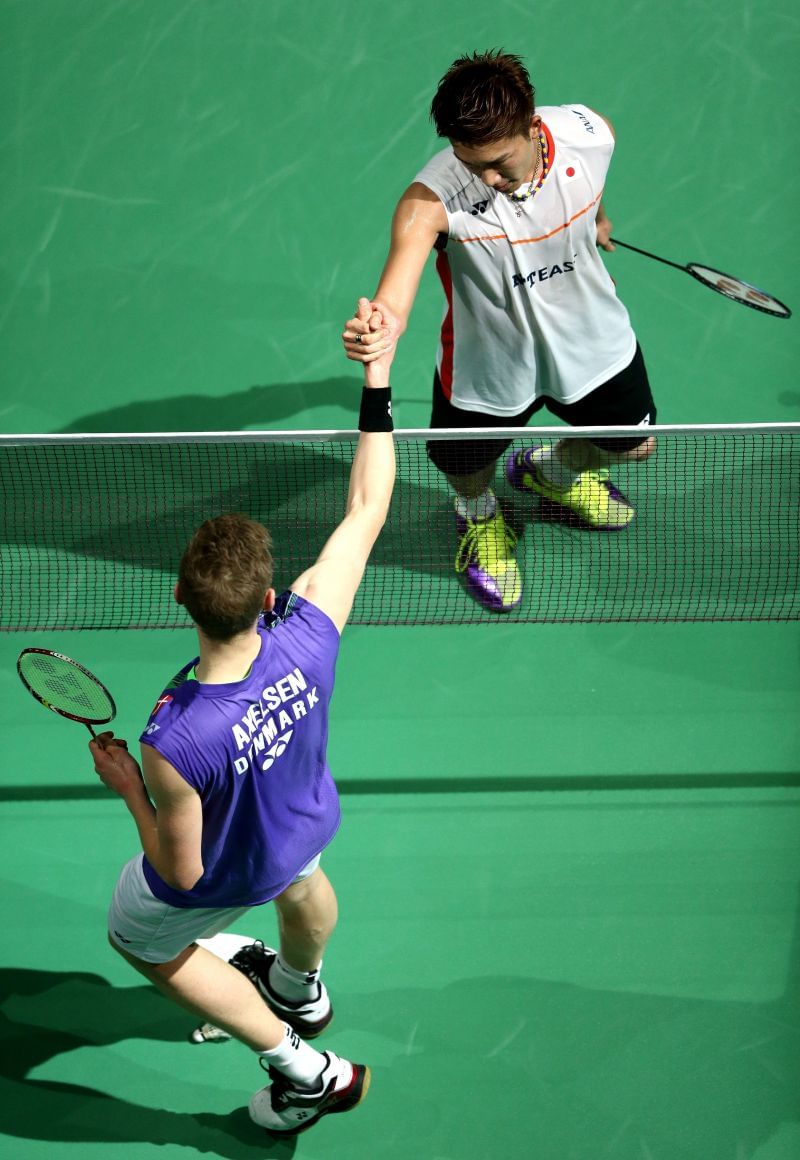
x=482, y=238
x=558, y=229
x=528, y=241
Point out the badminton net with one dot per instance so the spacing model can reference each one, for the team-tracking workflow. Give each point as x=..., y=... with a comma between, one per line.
x=92, y=527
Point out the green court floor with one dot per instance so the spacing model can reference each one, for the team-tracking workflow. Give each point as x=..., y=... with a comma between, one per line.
x=570, y=858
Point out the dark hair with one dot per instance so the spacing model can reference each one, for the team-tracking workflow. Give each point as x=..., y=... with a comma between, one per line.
x=482, y=98
x=224, y=574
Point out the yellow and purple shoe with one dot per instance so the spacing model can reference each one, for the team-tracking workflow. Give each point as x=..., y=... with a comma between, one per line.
x=593, y=498
x=486, y=556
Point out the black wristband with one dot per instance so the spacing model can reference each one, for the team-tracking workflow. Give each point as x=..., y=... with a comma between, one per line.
x=376, y=409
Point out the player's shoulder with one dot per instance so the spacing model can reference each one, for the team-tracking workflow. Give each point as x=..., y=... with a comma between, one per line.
x=298, y=614
x=178, y=691
x=576, y=124
x=445, y=175
x=174, y=708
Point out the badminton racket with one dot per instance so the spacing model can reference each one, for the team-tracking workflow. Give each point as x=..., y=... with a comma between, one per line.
x=65, y=687
x=734, y=288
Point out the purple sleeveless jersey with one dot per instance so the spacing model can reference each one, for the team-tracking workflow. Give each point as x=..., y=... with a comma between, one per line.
x=255, y=753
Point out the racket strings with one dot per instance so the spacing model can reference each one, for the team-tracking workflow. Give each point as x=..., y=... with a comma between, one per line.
x=66, y=687
x=738, y=290
x=62, y=683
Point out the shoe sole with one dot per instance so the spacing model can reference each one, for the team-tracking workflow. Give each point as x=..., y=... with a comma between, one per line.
x=304, y=1030
x=560, y=513
x=352, y=1100
x=478, y=594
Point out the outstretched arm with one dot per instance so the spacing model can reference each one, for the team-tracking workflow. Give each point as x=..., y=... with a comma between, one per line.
x=418, y=220
x=331, y=583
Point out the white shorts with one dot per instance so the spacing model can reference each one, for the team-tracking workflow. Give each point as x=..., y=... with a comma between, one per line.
x=156, y=932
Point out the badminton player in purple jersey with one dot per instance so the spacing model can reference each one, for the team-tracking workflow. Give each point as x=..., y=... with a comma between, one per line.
x=237, y=801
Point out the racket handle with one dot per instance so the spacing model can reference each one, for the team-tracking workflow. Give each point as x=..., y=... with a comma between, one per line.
x=646, y=253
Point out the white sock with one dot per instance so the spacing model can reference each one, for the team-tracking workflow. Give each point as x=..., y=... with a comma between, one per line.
x=295, y=1058
x=479, y=507
x=554, y=469
x=294, y=984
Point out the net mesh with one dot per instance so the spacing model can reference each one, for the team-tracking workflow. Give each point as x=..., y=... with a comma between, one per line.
x=92, y=529
x=65, y=686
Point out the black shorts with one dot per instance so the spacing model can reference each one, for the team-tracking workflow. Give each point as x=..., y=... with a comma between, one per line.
x=622, y=401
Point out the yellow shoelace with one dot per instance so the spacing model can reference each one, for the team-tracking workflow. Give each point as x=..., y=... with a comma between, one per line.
x=481, y=540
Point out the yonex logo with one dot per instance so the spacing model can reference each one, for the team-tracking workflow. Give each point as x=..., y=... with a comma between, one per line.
x=277, y=750
x=267, y=727
x=478, y=207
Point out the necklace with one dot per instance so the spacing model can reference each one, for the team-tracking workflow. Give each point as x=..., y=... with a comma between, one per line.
x=534, y=186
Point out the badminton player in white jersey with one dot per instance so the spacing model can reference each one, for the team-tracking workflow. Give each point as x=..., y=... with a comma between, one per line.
x=513, y=209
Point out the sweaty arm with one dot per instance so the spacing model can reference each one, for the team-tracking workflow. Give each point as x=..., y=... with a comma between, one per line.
x=418, y=221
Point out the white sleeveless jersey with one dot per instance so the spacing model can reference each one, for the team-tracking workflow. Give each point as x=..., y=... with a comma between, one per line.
x=531, y=309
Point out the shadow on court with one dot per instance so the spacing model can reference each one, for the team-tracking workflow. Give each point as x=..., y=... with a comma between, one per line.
x=47, y=1014
x=138, y=506
x=259, y=406
x=565, y=1070
x=521, y=1068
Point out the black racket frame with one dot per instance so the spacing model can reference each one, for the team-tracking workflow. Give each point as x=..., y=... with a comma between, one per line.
x=87, y=721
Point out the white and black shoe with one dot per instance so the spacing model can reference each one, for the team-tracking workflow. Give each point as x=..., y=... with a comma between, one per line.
x=288, y=1107
x=308, y=1017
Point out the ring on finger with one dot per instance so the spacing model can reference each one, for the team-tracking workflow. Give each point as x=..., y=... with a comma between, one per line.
x=357, y=338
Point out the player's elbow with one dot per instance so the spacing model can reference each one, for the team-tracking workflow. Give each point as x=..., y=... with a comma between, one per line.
x=184, y=877
x=370, y=515
x=185, y=882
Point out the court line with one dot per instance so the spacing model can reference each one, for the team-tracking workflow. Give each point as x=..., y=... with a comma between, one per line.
x=577, y=783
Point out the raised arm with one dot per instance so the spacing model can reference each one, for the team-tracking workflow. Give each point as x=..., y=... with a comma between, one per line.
x=418, y=220
x=331, y=583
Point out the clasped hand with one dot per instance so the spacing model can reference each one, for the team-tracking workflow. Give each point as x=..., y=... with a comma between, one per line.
x=372, y=332
x=115, y=767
